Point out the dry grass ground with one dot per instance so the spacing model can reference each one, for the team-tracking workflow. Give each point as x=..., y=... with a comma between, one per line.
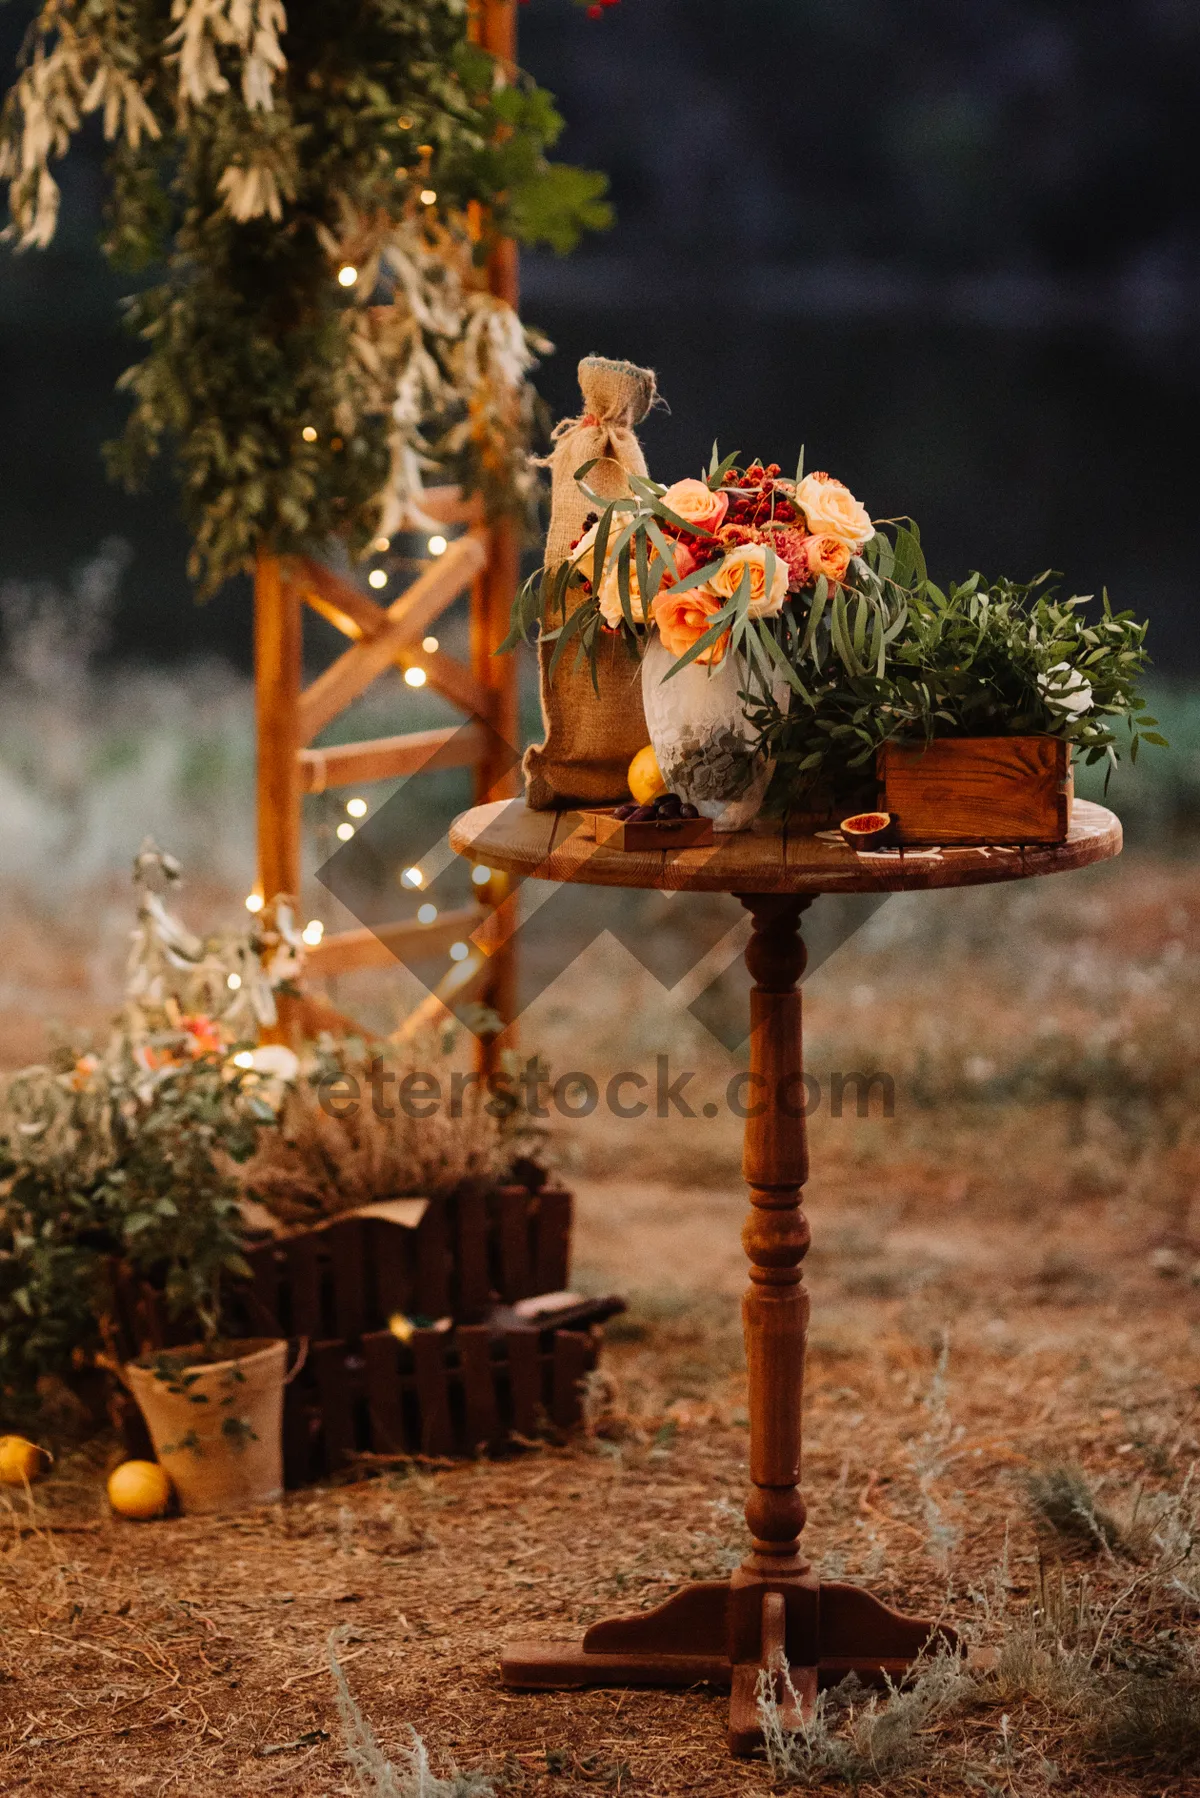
x=1027, y=1221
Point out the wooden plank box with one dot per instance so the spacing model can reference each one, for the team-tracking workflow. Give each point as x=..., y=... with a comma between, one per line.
x=978, y=790
x=638, y=835
x=443, y=1393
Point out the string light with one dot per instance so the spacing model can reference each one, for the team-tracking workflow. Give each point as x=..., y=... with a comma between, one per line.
x=381, y=545
x=347, y=274
x=312, y=933
x=481, y=876
x=357, y=808
x=429, y=645
x=405, y=124
x=244, y=1059
x=345, y=832
x=377, y=578
x=428, y=197
x=415, y=677
x=459, y=952
x=437, y=546
x=413, y=877
x=254, y=901
x=309, y=434
x=234, y=982
x=426, y=914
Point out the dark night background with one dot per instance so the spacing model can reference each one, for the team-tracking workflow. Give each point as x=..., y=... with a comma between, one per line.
x=952, y=246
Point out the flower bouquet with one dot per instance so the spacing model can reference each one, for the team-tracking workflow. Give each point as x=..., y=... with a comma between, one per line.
x=722, y=586
x=787, y=640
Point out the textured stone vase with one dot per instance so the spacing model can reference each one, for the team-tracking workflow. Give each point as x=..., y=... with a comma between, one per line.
x=703, y=743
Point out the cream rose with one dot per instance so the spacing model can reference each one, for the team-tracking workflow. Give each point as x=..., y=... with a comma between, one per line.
x=609, y=597
x=583, y=556
x=767, y=590
x=832, y=511
x=696, y=503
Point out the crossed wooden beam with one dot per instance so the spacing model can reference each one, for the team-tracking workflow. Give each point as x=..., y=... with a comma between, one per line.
x=290, y=715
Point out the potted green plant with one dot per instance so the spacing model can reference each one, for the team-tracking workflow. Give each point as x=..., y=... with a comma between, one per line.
x=118, y=1167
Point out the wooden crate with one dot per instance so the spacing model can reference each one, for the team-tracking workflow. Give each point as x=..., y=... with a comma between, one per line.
x=978, y=790
x=443, y=1393
x=453, y=1257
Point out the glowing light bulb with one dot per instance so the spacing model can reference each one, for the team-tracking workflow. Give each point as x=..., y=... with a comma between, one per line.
x=377, y=578
x=413, y=877
x=347, y=274
x=381, y=545
x=345, y=832
x=459, y=952
x=437, y=546
x=426, y=914
x=309, y=434
x=405, y=124
x=429, y=645
x=312, y=933
x=357, y=808
x=481, y=876
x=243, y=1059
x=415, y=677
x=254, y=901
x=428, y=197
x=234, y=982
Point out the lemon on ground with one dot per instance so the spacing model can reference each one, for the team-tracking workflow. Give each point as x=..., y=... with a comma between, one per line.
x=139, y=1489
x=644, y=777
x=21, y=1460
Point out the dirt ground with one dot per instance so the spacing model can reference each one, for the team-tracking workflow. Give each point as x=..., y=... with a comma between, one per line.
x=1028, y=1225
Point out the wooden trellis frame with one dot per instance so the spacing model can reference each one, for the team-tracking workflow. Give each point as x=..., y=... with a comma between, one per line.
x=289, y=715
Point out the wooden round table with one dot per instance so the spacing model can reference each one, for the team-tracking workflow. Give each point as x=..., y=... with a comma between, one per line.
x=774, y=1608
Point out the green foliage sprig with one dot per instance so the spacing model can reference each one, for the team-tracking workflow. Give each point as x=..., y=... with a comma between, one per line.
x=254, y=154
x=980, y=659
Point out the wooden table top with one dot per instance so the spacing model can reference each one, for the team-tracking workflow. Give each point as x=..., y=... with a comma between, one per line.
x=552, y=846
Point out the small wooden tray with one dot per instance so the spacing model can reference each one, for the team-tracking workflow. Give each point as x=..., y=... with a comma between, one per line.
x=643, y=834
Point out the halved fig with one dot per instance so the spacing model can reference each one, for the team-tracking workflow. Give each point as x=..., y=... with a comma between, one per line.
x=867, y=830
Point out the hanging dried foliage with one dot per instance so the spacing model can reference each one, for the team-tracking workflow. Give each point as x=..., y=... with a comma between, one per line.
x=315, y=191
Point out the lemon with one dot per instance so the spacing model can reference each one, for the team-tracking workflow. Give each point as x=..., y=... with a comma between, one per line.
x=21, y=1460
x=644, y=777
x=139, y=1489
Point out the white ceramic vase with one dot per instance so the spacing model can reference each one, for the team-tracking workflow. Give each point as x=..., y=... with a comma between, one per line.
x=702, y=741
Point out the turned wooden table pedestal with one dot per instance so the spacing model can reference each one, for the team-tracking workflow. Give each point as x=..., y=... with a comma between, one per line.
x=774, y=1609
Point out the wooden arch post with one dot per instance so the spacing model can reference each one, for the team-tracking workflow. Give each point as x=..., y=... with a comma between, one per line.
x=288, y=716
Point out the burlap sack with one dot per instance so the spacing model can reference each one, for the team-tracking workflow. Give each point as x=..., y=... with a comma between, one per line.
x=590, y=739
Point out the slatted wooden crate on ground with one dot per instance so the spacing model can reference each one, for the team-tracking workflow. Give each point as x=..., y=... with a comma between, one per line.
x=450, y=1257
x=441, y=1393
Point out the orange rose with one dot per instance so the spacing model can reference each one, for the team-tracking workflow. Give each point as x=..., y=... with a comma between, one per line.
x=203, y=1035
x=683, y=618
x=827, y=556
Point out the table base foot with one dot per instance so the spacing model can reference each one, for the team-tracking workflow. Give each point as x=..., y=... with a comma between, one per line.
x=727, y=1634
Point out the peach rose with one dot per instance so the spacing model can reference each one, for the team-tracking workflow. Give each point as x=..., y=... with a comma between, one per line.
x=828, y=556
x=768, y=578
x=832, y=511
x=682, y=620
x=696, y=503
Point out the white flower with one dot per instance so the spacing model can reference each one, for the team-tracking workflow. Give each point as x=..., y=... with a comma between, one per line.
x=1065, y=690
x=609, y=596
x=832, y=511
x=275, y=1059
